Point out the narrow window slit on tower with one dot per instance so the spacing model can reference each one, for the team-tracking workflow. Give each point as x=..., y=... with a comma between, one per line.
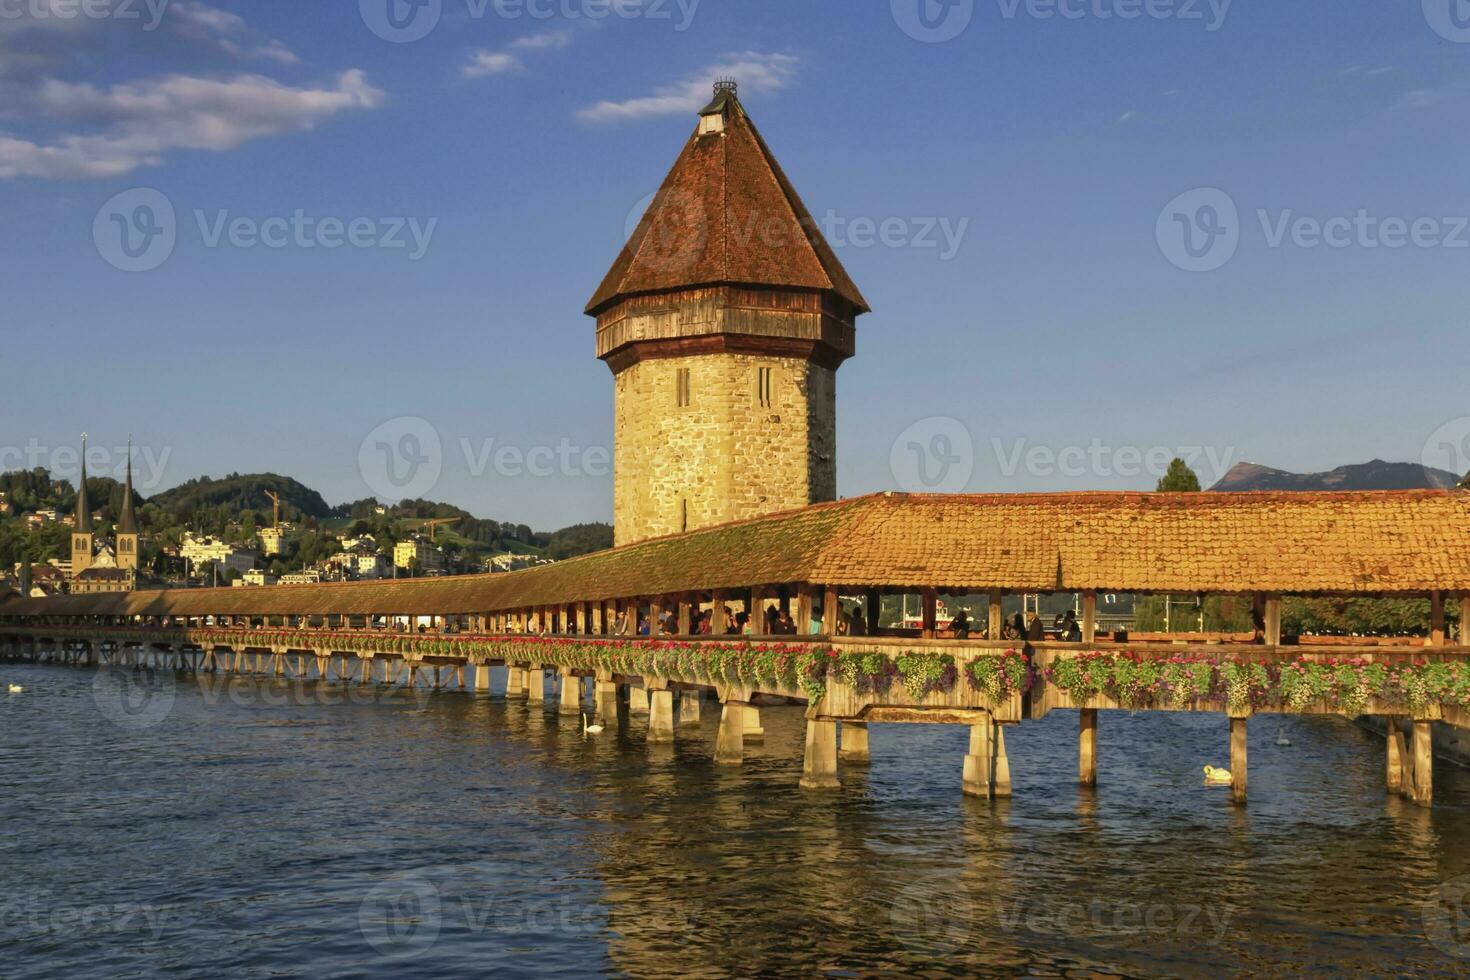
x=682, y=384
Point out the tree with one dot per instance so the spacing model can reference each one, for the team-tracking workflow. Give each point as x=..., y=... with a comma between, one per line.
x=1179, y=479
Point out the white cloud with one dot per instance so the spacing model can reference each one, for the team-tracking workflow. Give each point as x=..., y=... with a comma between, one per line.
x=756, y=72
x=1128, y=116
x=484, y=63
x=139, y=122
x=201, y=22
x=544, y=41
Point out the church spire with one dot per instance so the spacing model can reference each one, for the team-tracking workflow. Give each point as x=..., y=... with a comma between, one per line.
x=127, y=523
x=84, y=509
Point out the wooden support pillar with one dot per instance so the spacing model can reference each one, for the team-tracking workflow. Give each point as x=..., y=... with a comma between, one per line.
x=535, y=683
x=655, y=616
x=689, y=706
x=1465, y=621
x=930, y=601
x=730, y=742
x=755, y=611
x=1000, y=769
x=819, y=764
x=1272, y=613
x=831, y=611
x=1394, y=776
x=1423, y=762
x=1436, y=619
x=717, y=620
x=995, y=623
x=514, y=686
x=1238, y=759
x=805, y=605
x=854, y=742
x=1087, y=747
x=605, y=700
x=482, y=678
x=570, y=702
x=1089, y=619
x=661, y=715
x=753, y=730
x=976, y=780
x=874, y=600
x=686, y=616
x=637, y=700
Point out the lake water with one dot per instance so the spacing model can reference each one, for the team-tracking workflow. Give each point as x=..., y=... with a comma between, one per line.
x=277, y=830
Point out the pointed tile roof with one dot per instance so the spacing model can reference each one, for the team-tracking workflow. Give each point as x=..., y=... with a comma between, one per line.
x=127, y=523
x=83, y=523
x=726, y=214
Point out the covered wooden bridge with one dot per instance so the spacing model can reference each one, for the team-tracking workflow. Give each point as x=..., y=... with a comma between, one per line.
x=814, y=561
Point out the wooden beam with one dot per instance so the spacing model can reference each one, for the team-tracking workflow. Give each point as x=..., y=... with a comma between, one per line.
x=1089, y=620
x=930, y=599
x=1394, y=774
x=831, y=611
x=755, y=611
x=1436, y=619
x=686, y=616
x=1237, y=759
x=1465, y=621
x=1423, y=762
x=717, y=623
x=874, y=601
x=1272, y=613
x=996, y=624
x=1087, y=747
x=804, y=609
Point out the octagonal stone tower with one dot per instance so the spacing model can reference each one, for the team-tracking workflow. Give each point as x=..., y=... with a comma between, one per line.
x=724, y=320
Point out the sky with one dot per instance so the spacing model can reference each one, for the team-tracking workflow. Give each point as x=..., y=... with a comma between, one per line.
x=351, y=241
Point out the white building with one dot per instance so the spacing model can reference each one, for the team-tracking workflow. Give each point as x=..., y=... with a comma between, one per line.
x=420, y=551
x=308, y=576
x=201, y=552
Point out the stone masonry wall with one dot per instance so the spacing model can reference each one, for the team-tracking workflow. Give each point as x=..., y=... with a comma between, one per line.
x=724, y=456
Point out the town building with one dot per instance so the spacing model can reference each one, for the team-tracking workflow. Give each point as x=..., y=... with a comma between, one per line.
x=418, y=552
x=200, y=552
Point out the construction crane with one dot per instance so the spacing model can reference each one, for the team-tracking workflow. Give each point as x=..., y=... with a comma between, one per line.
x=433, y=524
x=275, y=499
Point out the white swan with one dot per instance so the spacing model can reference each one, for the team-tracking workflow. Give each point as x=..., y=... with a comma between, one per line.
x=1281, y=738
x=590, y=729
x=16, y=689
x=1213, y=775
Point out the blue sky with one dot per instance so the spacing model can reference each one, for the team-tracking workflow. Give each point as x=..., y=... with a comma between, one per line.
x=1055, y=323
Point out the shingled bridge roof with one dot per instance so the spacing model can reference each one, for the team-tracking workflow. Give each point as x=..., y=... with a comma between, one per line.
x=1382, y=542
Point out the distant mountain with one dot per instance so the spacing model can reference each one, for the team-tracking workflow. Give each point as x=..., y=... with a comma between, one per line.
x=238, y=492
x=1377, y=475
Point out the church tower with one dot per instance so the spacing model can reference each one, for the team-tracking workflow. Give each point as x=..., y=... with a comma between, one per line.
x=81, y=532
x=723, y=320
x=127, y=522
